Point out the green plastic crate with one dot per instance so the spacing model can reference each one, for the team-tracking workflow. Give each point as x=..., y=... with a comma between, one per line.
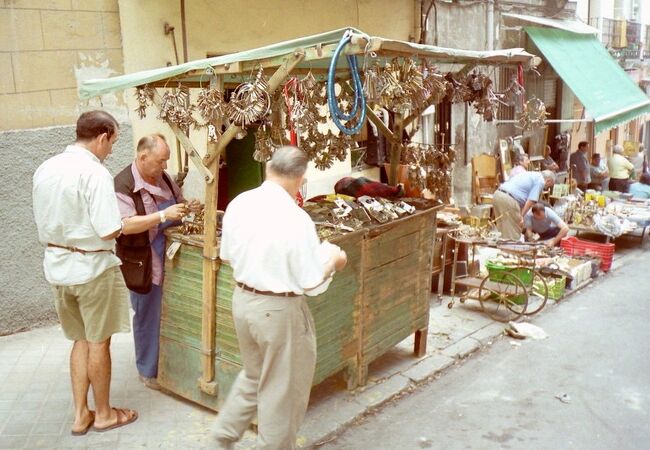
x=555, y=287
x=497, y=272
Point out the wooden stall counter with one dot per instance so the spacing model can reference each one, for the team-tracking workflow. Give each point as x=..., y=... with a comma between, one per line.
x=379, y=299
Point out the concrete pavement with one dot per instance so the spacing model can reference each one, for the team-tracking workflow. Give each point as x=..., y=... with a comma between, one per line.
x=36, y=402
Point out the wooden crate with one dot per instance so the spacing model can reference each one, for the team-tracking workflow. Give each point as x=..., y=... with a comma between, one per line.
x=375, y=302
x=396, y=276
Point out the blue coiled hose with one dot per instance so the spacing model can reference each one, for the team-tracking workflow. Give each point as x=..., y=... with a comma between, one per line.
x=359, y=99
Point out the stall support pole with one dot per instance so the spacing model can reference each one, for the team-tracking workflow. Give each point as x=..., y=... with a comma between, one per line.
x=274, y=83
x=396, y=149
x=185, y=141
x=211, y=263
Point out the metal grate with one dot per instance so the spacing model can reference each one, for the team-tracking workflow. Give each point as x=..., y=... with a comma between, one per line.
x=506, y=75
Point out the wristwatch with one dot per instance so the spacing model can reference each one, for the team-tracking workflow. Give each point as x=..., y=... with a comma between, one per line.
x=163, y=217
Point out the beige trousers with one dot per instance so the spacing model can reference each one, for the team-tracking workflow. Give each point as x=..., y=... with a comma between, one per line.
x=508, y=214
x=277, y=341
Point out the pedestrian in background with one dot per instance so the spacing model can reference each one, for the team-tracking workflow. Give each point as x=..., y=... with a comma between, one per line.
x=277, y=259
x=78, y=220
x=548, y=163
x=641, y=189
x=149, y=202
x=620, y=170
x=579, y=162
x=599, y=173
x=521, y=165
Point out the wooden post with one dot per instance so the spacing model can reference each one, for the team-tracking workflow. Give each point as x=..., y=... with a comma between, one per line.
x=207, y=382
x=187, y=144
x=396, y=149
x=274, y=82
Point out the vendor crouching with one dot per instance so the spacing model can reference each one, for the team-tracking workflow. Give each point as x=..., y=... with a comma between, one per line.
x=544, y=222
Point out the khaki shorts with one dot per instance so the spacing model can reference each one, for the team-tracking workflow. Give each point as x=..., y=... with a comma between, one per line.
x=96, y=310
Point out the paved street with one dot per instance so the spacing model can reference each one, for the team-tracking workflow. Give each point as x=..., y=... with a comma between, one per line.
x=596, y=354
x=592, y=355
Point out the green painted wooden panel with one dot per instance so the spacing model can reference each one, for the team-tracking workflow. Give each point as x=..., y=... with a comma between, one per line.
x=179, y=370
x=394, y=310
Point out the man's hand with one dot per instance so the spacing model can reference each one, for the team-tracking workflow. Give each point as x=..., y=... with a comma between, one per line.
x=194, y=205
x=176, y=212
x=341, y=261
x=550, y=243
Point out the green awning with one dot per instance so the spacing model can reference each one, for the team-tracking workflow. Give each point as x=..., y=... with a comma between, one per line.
x=609, y=95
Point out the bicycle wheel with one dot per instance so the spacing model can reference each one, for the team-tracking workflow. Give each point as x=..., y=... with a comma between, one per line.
x=505, y=300
x=539, y=291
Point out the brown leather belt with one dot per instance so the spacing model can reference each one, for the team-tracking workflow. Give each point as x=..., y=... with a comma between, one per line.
x=272, y=294
x=77, y=250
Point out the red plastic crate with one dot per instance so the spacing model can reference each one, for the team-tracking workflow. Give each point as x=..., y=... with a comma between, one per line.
x=574, y=246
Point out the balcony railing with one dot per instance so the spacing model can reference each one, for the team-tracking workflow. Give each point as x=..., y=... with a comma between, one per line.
x=618, y=33
x=622, y=37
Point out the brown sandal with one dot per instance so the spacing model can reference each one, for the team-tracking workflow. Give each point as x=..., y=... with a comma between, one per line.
x=129, y=415
x=88, y=426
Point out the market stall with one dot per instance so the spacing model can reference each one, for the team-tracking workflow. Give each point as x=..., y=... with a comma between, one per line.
x=383, y=294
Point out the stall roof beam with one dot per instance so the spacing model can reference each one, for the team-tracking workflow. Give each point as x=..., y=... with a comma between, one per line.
x=318, y=49
x=608, y=94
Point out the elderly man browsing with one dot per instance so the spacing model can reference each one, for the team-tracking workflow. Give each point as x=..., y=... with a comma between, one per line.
x=543, y=221
x=515, y=197
x=149, y=202
x=277, y=259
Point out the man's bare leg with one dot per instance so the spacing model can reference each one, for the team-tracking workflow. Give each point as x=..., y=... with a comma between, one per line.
x=99, y=372
x=80, y=384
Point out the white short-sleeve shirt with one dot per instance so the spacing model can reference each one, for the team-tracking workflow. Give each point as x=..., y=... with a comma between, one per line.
x=74, y=205
x=270, y=242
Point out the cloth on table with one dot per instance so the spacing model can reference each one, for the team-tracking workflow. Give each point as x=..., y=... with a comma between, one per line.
x=358, y=187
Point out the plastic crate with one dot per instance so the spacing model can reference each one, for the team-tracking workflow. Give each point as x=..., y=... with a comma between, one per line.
x=497, y=272
x=604, y=252
x=555, y=287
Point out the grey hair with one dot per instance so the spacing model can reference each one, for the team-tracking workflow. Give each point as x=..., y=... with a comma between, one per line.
x=548, y=175
x=288, y=162
x=618, y=148
x=150, y=141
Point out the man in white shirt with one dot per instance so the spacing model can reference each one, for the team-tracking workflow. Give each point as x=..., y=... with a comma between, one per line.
x=277, y=259
x=78, y=220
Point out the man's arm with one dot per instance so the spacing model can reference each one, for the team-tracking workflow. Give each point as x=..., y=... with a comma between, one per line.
x=134, y=224
x=138, y=224
x=564, y=230
x=337, y=261
x=529, y=204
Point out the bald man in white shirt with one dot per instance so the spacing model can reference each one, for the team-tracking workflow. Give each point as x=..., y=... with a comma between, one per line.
x=277, y=259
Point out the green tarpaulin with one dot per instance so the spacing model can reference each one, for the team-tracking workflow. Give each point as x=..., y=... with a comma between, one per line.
x=609, y=95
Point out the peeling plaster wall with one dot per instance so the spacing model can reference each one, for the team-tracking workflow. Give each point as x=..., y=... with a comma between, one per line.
x=46, y=47
x=26, y=300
